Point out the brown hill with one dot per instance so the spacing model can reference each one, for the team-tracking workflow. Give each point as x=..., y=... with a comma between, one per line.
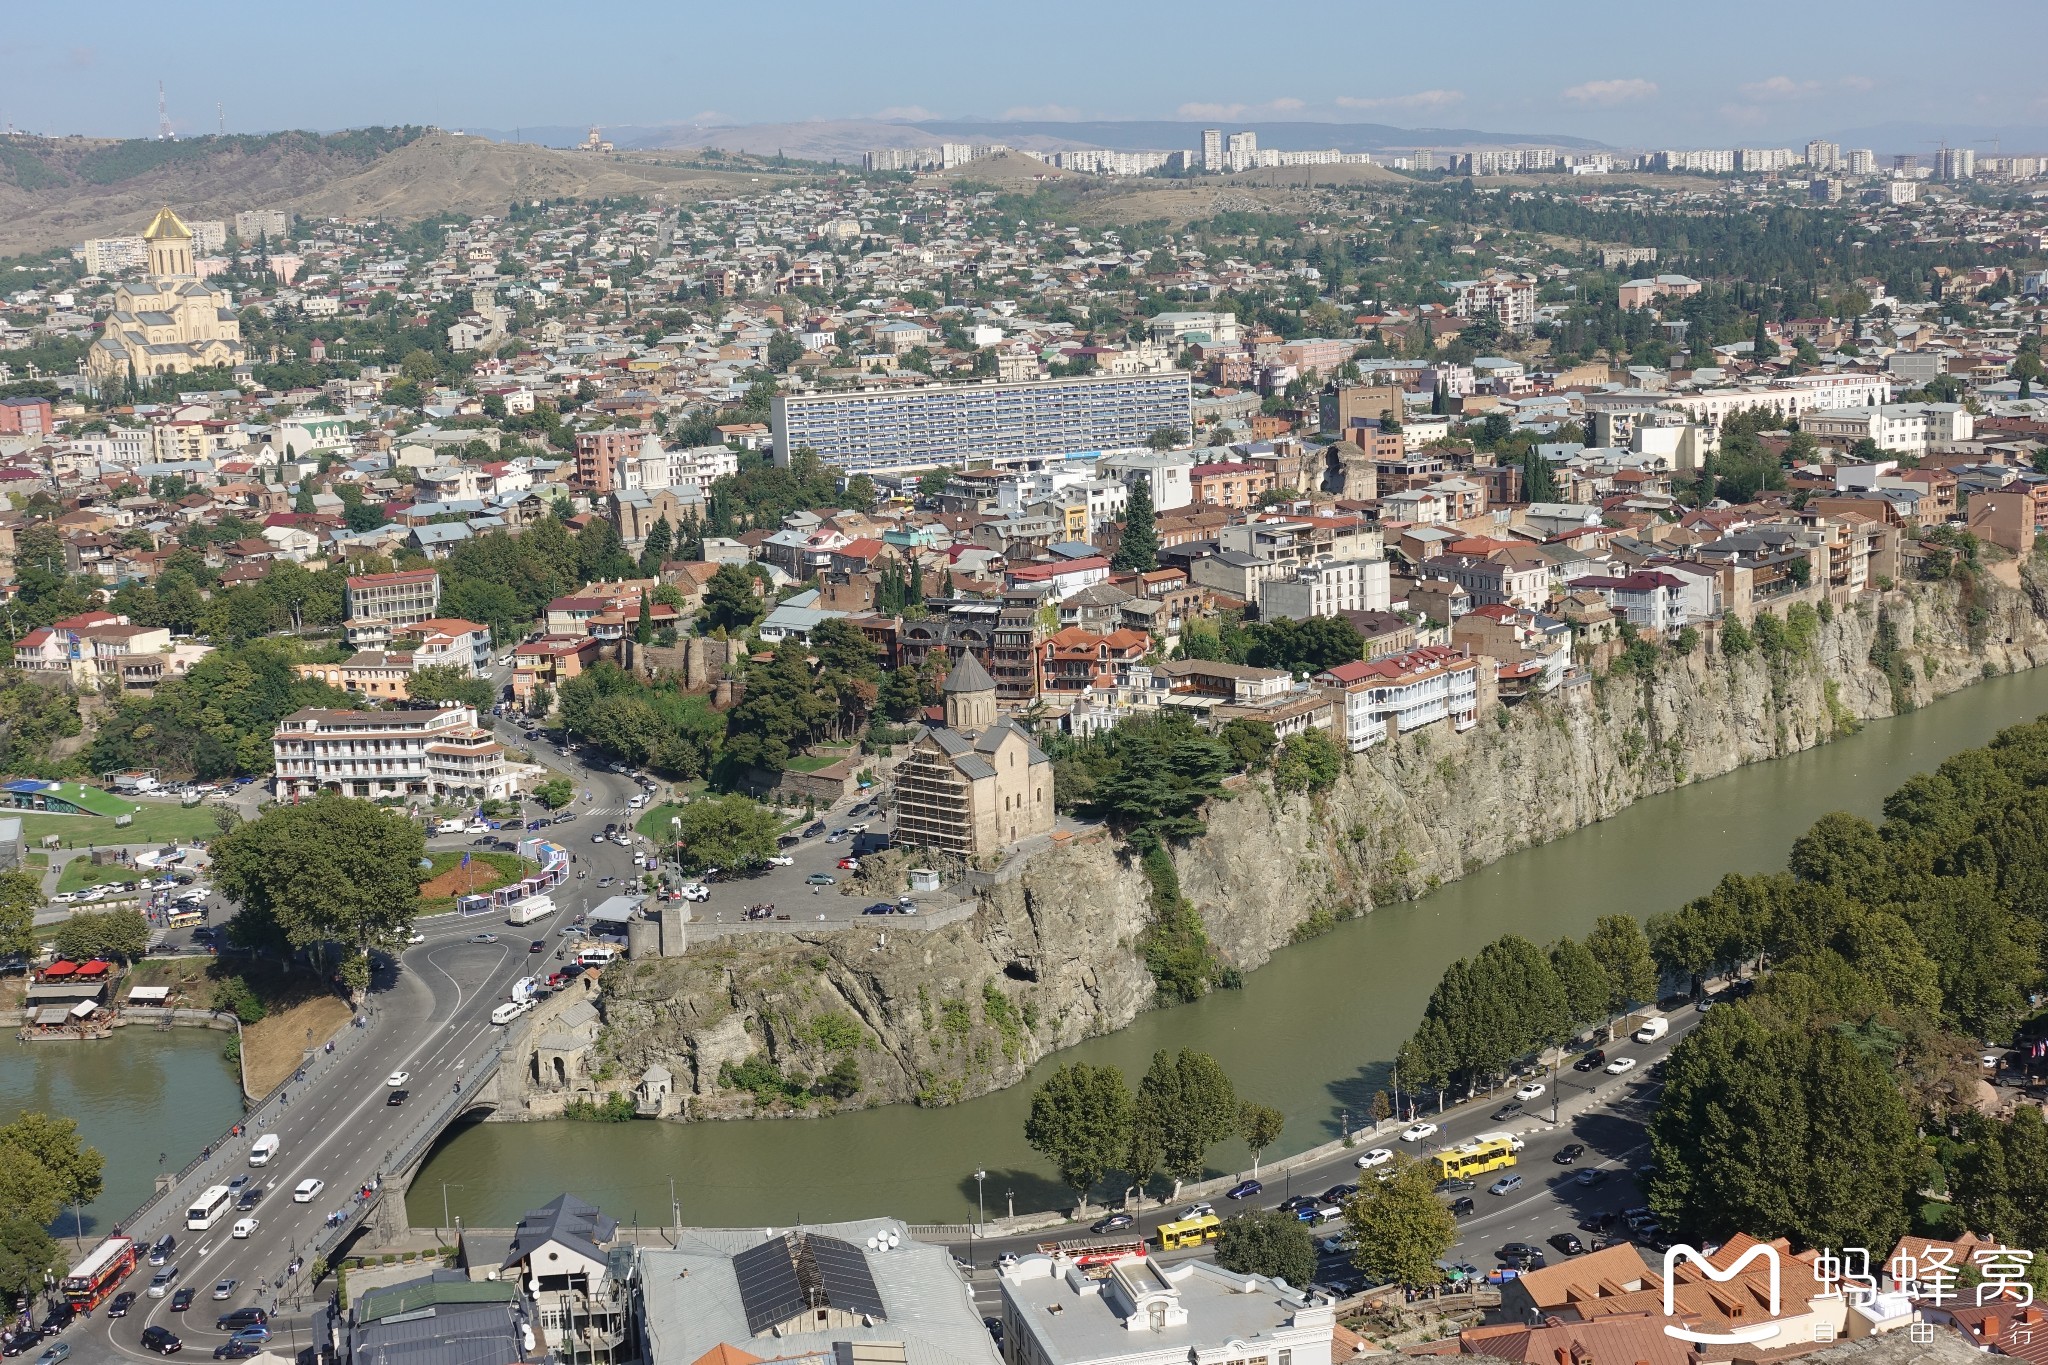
x=57, y=192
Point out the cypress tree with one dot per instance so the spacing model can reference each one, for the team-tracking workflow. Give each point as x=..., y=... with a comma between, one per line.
x=1139, y=548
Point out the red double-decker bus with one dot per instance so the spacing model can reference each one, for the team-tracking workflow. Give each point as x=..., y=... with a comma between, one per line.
x=99, y=1274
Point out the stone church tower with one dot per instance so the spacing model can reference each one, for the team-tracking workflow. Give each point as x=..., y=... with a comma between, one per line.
x=970, y=696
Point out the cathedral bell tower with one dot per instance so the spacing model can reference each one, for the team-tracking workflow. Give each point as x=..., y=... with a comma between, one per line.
x=170, y=245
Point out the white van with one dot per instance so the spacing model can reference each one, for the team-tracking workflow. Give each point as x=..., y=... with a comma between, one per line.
x=265, y=1148
x=1653, y=1029
x=507, y=1012
x=600, y=956
x=637, y=802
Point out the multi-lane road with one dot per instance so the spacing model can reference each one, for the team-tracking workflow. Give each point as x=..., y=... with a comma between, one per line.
x=428, y=1015
x=1604, y=1114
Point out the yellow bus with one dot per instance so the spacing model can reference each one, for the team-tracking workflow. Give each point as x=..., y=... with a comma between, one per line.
x=183, y=918
x=1473, y=1158
x=1189, y=1232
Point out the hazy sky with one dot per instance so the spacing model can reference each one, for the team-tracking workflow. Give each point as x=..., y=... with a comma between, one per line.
x=1626, y=73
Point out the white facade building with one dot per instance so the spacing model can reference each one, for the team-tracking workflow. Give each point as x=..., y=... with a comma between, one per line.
x=1327, y=587
x=1393, y=695
x=1138, y=1311
x=440, y=754
x=1902, y=428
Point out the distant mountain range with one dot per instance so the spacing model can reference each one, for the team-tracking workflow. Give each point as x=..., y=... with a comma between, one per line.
x=846, y=139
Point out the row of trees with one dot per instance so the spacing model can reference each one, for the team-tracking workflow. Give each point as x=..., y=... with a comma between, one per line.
x=44, y=1171
x=1088, y=1123
x=1514, y=999
x=1892, y=949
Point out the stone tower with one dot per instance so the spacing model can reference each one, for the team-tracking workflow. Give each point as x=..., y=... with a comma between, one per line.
x=970, y=696
x=170, y=245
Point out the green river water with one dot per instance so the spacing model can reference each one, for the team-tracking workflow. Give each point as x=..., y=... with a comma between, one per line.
x=1311, y=1032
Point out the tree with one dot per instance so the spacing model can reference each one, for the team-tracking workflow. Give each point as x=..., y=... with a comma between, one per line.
x=860, y=492
x=1585, y=983
x=44, y=1169
x=734, y=832
x=27, y=1254
x=1138, y=549
x=2001, y=1178
x=1166, y=438
x=1081, y=1122
x=730, y=601
x=329, y=870
x=1621, y=948
x=555, y=793
x=1186, y=1105
x=1309, y=762
x=1259, y=1125
x=1269, y=1242
x=450, y=684
x=122, y=934
x=1781, y=1133
x=1251, y=742
x=660, y=540
x=1399, y=1228
x=21, y=895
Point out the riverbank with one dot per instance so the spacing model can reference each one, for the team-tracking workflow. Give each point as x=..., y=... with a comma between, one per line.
x=1311, y=1034
x=1049, y=957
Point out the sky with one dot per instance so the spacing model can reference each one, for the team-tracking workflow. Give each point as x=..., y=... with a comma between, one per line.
x=1629, y=74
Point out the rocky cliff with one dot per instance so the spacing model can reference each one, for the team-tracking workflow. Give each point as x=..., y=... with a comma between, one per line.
x=762, y=1023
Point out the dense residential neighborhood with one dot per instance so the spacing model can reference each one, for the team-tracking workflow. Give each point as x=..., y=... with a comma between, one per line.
x=635, y=661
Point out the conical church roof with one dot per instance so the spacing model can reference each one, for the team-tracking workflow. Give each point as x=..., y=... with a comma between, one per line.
x=166, y=226
x=969, y=676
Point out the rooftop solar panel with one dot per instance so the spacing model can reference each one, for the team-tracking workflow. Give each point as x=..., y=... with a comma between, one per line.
x=769, y=1289
x=840, y=1271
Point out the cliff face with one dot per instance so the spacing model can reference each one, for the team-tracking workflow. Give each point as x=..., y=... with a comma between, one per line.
x=1048, y=957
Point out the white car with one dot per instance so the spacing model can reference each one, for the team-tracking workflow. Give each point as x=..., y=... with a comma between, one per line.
x=1196, y=1211
x=1378, y=1156
x=1621, y=1066
x=782, y=860
x=245, y=1227
x=415, y=937
x=1416, y=1132
x=696, y=891
x=397, y=1078
x=1530, y=1091
x=308, y=1191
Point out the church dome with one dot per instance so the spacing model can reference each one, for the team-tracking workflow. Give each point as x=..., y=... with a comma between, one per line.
x=166, y=227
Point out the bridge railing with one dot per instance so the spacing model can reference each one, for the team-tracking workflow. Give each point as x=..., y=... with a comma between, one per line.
x=403, y=1155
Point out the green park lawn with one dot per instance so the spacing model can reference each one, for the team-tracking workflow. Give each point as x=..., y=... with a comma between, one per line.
x=156, y=822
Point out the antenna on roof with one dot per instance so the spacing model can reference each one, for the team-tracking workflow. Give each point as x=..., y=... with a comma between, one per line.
x=163, y=117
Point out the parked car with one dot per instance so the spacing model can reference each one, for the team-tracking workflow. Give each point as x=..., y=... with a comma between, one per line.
x=1519, y=1251
x=782, y=860
x=1569, y=1244
x=1507, y=1184
x=1243, y=1189
x=821, y=879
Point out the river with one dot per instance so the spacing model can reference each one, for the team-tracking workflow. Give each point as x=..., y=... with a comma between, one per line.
x=138, y=1095
x=1311, y=1033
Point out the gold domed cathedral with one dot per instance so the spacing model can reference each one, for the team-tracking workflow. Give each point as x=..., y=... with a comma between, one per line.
x=170, y=323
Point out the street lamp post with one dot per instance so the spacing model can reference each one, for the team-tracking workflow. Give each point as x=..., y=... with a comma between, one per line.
x=445, y=1220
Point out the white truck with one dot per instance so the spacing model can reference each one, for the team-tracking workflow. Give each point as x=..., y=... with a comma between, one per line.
x=527, y=909
x=1653, y=1028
